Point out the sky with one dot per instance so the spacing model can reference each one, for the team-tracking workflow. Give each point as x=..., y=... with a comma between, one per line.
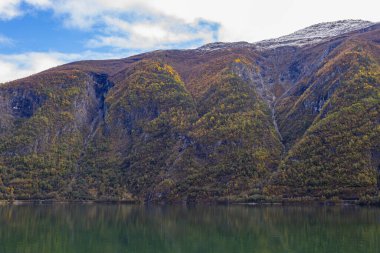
x=39, y=34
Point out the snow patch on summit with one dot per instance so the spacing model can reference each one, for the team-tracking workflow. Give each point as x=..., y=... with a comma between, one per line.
x=304, y=37
x=223, y=45
x=315, y=34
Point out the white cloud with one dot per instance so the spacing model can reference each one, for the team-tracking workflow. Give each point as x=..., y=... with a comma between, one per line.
x=9, y=9
x=5, y=40
x=254, y=20
x=15, y=66
x=131, y=24
x=249, y=20
x=160, y=32
x=21, y=65
x=40, y=3
x=12, y=8
x=138, y=24
x=83, y=14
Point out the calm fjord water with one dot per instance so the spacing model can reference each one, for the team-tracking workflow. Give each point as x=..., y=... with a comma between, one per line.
x=125, y=228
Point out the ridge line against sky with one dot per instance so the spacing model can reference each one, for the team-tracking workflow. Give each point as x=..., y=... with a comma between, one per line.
x=39, y=34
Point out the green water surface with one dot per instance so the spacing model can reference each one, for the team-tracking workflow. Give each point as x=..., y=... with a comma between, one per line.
x=92, y=228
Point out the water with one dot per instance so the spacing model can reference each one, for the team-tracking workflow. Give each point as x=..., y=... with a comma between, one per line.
x=126, y=228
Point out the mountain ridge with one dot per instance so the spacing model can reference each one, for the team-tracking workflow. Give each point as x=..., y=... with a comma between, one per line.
x=304, y=37
x=234, y=124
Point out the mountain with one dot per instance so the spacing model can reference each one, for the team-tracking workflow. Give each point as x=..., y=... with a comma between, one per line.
x=290, y=118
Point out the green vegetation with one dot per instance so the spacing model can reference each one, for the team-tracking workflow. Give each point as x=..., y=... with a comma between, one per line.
x=336, y=155
x=39, y=153
x=172, y=126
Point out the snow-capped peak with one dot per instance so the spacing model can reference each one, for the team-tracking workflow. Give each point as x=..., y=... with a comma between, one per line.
x=315, y=33
x=307, y=36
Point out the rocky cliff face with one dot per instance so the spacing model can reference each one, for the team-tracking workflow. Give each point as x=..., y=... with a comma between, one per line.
x=227, y=121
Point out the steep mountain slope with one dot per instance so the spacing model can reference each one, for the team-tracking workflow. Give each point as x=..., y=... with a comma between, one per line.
x=290, y=117
x=45, y=124
x=336, y=127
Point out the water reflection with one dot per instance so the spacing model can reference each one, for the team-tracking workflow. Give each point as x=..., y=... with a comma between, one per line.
x=126, y=228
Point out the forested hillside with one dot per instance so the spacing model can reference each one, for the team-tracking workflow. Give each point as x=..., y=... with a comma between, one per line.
x=294, y=117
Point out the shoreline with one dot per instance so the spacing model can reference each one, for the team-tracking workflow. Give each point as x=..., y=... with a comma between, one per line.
x=212, y=203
